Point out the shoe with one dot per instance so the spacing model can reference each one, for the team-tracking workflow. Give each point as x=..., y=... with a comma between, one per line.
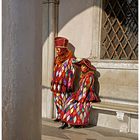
x=56, y=120
x=63, y=126
x=69, y=126
x=77, y=126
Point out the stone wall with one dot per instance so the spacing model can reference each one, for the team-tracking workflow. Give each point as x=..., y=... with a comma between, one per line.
x=80, y=22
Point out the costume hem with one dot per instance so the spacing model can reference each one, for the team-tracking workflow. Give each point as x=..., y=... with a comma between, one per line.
x=74, y=123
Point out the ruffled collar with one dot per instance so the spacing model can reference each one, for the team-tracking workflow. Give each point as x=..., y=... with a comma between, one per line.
x=60, y=59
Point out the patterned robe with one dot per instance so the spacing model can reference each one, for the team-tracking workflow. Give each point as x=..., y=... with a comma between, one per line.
x=77, y=106
x=62, y=83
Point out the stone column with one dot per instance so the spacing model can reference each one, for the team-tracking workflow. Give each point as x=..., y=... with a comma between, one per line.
x=48, y=56
x=21, y=68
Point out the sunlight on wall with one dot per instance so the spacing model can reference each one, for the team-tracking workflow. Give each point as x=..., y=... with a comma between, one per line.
x=79, y=28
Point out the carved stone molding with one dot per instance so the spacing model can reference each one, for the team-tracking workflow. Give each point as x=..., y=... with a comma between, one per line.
x=117, y=65
x=96, y=30
x=50, y=1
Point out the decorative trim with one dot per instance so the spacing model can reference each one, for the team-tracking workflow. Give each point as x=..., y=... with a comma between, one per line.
x=130, y=65
x=114, y=64
x=118, y=100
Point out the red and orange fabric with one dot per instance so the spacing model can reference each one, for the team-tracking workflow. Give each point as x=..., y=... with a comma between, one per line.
x=62, y=83
x=77, y=106
x=63, y=75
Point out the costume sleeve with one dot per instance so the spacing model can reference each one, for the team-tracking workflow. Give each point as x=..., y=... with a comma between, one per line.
x=84, y=88
x=71, y=78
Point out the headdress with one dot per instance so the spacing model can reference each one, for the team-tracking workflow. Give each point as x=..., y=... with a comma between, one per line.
x=61, y=42
x=86, y=62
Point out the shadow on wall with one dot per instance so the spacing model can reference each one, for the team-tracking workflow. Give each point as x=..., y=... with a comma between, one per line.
x=71, y=48
x=77, y=69
x=70, y=9
x=78, y=72
x=77, y=78
x=96, y=84
x=94, y=113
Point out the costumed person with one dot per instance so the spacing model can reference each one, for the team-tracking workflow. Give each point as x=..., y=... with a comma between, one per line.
x=63, y=74
x=77, y=107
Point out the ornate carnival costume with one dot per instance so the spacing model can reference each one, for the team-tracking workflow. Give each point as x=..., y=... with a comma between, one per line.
x=63, y=75
x=77, y=106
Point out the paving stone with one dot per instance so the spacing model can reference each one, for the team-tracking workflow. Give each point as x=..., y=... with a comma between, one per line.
x=50, y=131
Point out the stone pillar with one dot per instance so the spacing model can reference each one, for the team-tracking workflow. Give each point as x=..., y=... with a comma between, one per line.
x=48, y=56
x=21, y=68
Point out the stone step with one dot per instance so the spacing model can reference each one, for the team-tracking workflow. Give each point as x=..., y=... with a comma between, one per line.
x=50, y=131
x=129, y=109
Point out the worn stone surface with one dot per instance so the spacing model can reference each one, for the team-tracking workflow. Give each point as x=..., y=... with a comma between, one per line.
x=117, y=81
x=50, y=131
x=119, y=84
